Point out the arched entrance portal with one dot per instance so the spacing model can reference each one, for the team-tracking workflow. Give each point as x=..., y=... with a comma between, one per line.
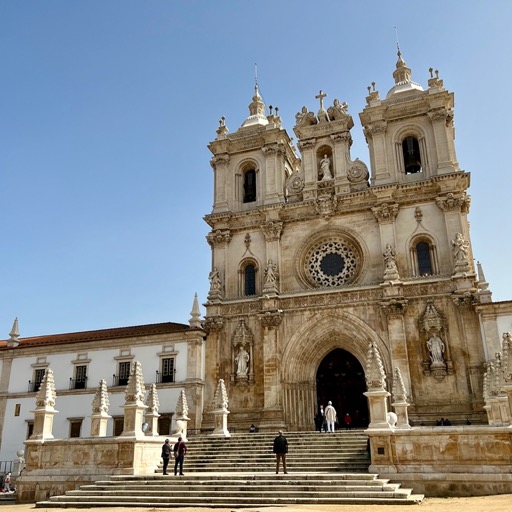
x=340, y=379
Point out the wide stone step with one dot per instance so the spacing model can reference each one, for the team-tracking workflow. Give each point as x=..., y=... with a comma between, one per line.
x=324, y=469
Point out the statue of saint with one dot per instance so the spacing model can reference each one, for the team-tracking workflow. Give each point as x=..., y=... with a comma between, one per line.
x=325, y=168
x=242, y=362
x=435, y=346
x=270, y=273
x=460, y=250
x=215, y=281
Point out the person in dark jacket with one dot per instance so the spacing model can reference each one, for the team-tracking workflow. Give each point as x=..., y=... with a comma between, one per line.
x=180, y=449
x=166, y=454
x=280, y=449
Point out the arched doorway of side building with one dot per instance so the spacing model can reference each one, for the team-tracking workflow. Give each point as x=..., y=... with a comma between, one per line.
x=340, y=379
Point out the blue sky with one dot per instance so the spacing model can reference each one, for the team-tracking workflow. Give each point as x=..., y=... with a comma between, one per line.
x=107, y=107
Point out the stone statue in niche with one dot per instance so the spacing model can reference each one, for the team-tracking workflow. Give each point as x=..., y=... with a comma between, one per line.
x=460, y=253
x=325, y=168
x=435, y=346
x=242, y=362
x=391, y=270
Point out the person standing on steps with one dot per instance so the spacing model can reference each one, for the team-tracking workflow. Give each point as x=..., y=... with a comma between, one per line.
x=280, y=449
x=180, y=449
x=330, y=417
x=166, y=454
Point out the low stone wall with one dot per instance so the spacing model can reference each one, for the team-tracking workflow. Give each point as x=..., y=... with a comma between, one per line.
x=445, y=461
x=59, y=465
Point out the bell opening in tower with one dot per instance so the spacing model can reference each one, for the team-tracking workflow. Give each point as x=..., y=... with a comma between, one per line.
x=412, y=157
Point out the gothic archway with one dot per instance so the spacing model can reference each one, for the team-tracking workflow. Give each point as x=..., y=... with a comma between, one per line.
x=340, y=379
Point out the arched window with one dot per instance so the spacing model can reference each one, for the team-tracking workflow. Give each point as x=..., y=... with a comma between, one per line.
x=250, y=280
x=249, y=186
x=424, y=259
x=411, y=153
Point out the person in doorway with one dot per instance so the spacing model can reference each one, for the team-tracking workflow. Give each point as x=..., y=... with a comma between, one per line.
x=280, y=449
x=330, y=417
x=319, y=419
x=180, y=449
x=348, y=421
x=166, y=455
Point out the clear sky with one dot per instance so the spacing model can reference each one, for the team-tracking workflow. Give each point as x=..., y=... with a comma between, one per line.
x=107, y=107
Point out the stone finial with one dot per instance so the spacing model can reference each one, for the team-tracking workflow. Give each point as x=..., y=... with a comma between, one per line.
x=46, y=395
x=221, y=396
x=13, y=341
x=375, y=374
x=182, y=405
x=101, y=403
x=399, y=391
x=152, y=402
x=195, y=314
x=135, y=390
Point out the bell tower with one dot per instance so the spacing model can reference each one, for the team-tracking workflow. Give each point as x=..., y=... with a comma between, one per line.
x=410, y=133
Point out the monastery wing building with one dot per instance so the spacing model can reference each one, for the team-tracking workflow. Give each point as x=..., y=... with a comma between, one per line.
x=316, y=257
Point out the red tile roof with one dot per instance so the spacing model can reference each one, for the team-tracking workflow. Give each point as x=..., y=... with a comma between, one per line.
x=102, y=334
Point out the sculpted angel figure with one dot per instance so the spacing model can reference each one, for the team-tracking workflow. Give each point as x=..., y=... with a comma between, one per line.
x=390, y=258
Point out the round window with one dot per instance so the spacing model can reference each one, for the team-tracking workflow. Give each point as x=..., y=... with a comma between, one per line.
x=333, y=262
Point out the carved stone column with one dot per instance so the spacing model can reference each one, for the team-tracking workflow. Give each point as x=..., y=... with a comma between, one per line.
x=272, y=416
x=219, y=164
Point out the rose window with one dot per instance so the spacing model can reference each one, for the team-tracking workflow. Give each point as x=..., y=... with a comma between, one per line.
x=333, y=263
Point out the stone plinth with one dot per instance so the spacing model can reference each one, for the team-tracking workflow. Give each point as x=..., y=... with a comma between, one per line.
x=59, y=465
x=445, y=461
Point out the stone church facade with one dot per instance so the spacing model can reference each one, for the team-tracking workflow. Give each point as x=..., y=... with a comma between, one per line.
x=316, y=256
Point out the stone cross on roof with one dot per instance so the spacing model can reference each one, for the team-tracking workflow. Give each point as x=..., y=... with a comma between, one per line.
x=321, y=95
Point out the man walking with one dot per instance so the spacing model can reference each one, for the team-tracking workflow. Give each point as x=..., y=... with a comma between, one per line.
x=180, y=449
x=166, y=454
x=330, y=417
x=280, y=449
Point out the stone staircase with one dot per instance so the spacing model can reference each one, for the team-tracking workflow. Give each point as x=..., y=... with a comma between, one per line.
x=327, y=469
